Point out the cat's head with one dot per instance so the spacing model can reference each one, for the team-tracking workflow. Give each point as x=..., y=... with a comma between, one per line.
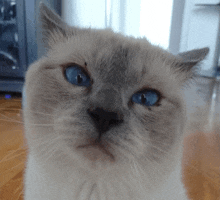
x=99, y=98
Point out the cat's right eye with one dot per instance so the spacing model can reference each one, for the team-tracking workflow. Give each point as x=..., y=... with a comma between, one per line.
x=147, y=97
x=76, y=75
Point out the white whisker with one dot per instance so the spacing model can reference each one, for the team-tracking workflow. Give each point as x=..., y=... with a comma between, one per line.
x=50, y=125
x=6, y=109
x=41, y=113
x=80, y=190
x=9, y=119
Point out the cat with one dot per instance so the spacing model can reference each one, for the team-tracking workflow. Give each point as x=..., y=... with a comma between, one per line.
x=104, y=116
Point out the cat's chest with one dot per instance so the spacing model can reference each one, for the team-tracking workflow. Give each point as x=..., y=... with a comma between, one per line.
x=48, y=184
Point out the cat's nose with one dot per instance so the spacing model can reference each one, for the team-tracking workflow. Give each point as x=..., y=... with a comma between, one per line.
x=104, y=119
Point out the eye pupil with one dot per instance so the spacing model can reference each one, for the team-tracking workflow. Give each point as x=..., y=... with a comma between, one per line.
x=143, y=98
x=146, y=97
x=79, y=78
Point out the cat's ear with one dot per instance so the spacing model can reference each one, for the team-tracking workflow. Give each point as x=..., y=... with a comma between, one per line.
x=187, y=61
x=52, y=25
x=193, y=57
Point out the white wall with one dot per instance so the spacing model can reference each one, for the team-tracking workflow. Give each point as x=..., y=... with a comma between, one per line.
x=84, y=13
x=138, y=18
x=155, y=21
x=201, y=29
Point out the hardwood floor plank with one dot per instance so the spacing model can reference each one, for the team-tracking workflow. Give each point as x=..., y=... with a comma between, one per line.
x=202, y=166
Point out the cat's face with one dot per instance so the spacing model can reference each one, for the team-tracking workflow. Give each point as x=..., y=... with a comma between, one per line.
x=100, y=99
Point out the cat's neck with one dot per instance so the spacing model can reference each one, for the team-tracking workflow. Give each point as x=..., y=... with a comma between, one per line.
x=76, y=186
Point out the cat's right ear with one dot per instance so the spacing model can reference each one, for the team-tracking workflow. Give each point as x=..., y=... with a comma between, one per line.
x=52, y=26
x=187, y=65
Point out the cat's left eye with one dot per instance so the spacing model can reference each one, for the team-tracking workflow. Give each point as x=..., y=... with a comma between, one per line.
x=77, y=76
x=147, y=98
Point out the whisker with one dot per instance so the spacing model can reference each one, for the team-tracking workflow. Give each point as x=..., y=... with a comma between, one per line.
x=91, y=191
x=6, y=158
x=10, y=109
x=41, y=113
x=50, y=125
x=140, y=170
x=157, y=148
x=20, y=193
x=158, y=142
x=208, y=175
x=8, y=170
x=138, y=173
x=10, y=120
x=28, y=124
x=152, y=160
x=19, y=187
x=153, y=141
x=10, y=100
x=21, y=110
x=80, y=190
x=44, y=99
x=150, y=144
x=149, y=141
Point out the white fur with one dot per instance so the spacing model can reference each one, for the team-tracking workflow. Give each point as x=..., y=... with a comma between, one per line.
x=46, y=182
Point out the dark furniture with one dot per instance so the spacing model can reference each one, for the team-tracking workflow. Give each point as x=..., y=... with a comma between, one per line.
x=13, y=45
x=20, y=40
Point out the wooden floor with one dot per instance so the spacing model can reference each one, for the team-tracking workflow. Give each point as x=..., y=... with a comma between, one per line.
x=12, y=150
x=201, y=158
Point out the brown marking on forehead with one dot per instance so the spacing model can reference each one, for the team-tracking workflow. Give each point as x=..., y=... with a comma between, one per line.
x=118, y=65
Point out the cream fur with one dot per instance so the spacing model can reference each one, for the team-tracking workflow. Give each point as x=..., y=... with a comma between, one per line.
x=146, y=148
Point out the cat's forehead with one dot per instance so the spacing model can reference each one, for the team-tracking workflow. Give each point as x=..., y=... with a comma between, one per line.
x=114, y=59
x=106, y=51
x=94, y=45
x=101, y=44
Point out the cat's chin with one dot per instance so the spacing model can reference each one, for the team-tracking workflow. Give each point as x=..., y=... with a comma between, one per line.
x=96, y=152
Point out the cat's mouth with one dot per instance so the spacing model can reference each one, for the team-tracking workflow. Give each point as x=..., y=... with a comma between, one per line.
x=95, y=151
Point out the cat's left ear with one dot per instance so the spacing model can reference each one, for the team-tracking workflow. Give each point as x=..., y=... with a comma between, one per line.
x=188, y=60
x=52, y=25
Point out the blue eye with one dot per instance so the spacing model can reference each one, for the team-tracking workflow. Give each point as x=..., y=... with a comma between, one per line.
x=76, y=75
x=147, y=98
